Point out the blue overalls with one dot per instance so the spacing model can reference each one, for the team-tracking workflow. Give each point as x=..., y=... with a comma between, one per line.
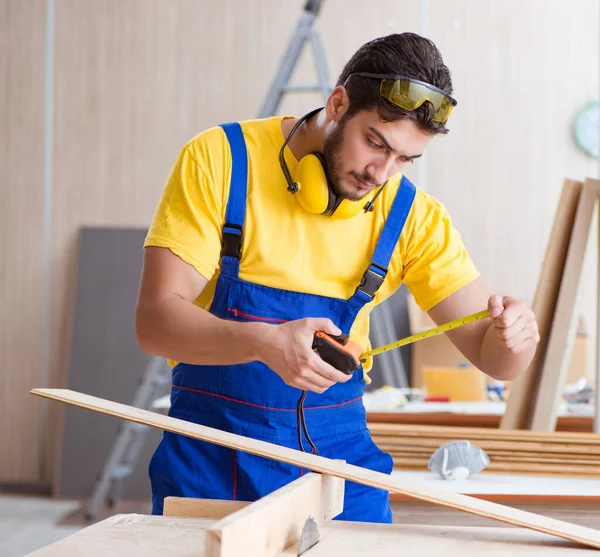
x=252, y=400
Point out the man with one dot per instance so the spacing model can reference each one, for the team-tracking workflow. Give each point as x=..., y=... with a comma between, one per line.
x=272, y=230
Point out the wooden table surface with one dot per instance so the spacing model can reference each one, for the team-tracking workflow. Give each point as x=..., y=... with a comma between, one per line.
x=136, y=535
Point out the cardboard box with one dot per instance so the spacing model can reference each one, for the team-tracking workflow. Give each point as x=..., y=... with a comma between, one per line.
x=459, y=384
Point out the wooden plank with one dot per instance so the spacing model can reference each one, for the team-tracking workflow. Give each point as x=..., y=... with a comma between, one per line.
x=420, y=431
x=491, y=446
x=586, y=536
x=576, y=424
x=518, y=407
x=201, y=508
x=404, y=462
x=156, y=536
x=563, y=328
x=274, y=522
x=505, y=456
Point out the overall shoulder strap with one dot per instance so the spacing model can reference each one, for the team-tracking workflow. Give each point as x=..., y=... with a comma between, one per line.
x=378, y=268
x=233, y=229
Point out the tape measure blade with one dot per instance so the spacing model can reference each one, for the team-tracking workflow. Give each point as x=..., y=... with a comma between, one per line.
x=426, y=334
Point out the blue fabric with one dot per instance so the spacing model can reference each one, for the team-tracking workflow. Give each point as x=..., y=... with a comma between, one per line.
x=253, y=401
x=236, y=207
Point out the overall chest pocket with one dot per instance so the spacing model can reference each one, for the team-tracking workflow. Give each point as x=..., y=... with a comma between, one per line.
x=253, y=302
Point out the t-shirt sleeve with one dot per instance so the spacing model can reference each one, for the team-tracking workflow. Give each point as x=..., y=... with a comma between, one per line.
x=189, y=215
x=436, y=262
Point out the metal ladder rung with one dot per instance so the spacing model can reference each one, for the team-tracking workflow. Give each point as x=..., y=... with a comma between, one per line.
x=121, y=472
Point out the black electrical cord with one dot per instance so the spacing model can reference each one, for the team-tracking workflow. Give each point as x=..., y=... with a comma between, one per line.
x=301, y=423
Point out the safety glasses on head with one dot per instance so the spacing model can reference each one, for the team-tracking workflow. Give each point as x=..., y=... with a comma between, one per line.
x=410, y=94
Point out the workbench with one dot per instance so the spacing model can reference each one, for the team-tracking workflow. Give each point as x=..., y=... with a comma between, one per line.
x=136, y=535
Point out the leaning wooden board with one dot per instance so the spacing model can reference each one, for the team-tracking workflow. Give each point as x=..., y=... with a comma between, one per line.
x=137, y=535
x=562, y=335
x=523, y=389
x=516, y=517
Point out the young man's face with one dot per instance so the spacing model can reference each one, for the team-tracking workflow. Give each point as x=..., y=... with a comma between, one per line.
x=362, y=153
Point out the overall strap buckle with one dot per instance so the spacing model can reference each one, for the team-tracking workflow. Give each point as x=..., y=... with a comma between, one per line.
x=232, y=240
x=372, y=279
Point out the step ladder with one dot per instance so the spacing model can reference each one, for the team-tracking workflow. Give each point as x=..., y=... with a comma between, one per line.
x=303, y=33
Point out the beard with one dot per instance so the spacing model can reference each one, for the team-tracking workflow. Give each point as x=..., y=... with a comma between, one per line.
x=332, y=155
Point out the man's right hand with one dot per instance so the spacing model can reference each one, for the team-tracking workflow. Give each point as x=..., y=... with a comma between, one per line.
x=287, y=350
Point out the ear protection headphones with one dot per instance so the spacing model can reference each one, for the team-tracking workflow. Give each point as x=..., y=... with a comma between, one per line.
x=312, y=187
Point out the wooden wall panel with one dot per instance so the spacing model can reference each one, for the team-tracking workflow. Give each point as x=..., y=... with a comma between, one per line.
x=521, y=71
x=22, y=24
x=136, y=79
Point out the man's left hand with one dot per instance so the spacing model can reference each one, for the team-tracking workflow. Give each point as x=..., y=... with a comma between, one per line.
x=514, y=323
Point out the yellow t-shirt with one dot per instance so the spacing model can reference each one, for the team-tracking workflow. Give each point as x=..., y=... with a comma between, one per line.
x=289, y=248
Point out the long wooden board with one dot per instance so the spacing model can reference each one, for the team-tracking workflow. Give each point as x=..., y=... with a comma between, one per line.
x=523, y=389
x=562, y=335
x=516, y=517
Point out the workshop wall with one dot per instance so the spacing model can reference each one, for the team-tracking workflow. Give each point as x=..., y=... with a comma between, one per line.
x=118, y=87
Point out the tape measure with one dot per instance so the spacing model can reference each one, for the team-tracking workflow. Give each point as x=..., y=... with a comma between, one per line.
x=347, y=356
x=425, y=334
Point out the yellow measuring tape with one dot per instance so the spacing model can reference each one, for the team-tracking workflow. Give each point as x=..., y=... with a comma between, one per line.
x=425, y=334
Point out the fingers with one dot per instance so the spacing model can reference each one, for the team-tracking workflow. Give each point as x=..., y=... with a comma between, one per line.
x=308, y=385
x=327, y=371
x=508, y=328
x=495, y=306
x=302, y=367
x=318, y=376
x=511, y=312
x=323, y=324
x=523, y=340
x=515, y=325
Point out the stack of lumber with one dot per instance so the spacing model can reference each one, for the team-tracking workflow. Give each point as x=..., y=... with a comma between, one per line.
x=510, y=451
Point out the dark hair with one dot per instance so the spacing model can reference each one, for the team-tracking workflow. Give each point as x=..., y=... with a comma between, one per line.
x=406, y=54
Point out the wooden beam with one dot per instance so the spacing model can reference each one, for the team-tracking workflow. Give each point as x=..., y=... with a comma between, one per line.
x=201, y=508
x=563, y=331
x=273, y=523
x=523, y=389
x=516, y=517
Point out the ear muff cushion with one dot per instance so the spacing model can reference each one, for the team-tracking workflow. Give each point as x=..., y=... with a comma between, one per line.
x=348, y=209
x=313, y=190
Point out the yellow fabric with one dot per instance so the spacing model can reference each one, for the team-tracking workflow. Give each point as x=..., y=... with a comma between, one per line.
x=287, y=247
